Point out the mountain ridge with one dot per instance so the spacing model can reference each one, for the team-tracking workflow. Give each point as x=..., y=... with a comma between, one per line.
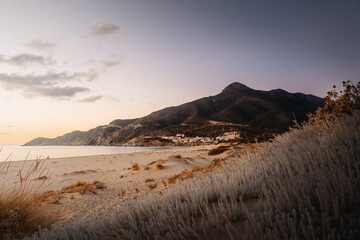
x=236, y=103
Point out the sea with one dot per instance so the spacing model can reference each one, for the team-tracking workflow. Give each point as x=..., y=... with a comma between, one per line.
x=17, y=152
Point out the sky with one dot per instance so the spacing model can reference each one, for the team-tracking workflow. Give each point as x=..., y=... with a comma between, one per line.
x=74, y=65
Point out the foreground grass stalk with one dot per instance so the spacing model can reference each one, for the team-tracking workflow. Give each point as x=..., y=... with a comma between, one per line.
x=21, y=214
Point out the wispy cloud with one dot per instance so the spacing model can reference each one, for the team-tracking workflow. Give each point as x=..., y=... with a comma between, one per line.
x=91, y=99
x=26, y=59
x=112, y=61
x=39, y=44
x=100, y=28
x=55, y=85
x=4, y=133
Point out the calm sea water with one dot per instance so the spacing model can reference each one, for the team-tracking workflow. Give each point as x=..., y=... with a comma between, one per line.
x=18, y=152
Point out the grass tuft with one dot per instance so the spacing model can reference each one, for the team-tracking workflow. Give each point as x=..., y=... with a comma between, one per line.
x=135, y=167
x=53, y=197
x=21, y=214
x=159, y=166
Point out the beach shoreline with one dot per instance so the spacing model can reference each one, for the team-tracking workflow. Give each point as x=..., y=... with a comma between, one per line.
x=125, y=176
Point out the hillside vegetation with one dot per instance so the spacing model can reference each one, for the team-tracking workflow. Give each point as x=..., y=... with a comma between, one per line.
x=304, y=185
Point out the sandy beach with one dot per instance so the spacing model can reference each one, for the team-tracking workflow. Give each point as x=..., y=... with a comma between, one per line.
x=125, y=176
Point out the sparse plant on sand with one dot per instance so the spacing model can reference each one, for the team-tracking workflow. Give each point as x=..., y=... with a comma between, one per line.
x=149, y=180
x=159, y=166
x=79, y=187
x=135, y=167
x=152, y=186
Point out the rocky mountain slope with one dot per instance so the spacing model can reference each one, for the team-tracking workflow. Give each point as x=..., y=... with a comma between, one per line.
x=251, y=110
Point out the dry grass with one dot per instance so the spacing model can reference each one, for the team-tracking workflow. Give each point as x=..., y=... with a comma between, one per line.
x=122, y=194
x=190, y=173
x=149, y=180
x=135, y=167
x=304, y=185
x=218, y=150
x=147, y=166
x=159, y=166
x=80, y=172
x=152, y=186
x=53, y=197
x=42, y=178
x=21, y=214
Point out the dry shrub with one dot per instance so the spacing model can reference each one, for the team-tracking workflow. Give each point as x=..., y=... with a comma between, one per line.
x=147, y=166
x=122, y=194
x=152, y=186
x=149, y=180
x=186, y=174
x=337, y=103
x=159, y=166
x=79, y=187
x=21, y=213
x=218, y=150
x=135, y=167
x=177, y=156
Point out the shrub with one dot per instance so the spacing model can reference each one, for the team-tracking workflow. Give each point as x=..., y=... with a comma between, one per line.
x=159, y=166
x=135, y=166
x=337, y=103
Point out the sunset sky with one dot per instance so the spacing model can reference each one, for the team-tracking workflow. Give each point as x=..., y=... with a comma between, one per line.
x=74, y=65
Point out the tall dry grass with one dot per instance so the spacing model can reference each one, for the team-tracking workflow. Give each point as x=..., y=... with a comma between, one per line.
x=21, y=214
x=304, y=185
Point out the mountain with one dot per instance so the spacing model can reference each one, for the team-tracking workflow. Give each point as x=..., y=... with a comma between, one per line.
x=236, y=107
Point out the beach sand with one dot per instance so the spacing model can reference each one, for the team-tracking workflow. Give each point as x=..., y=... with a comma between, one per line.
x=125, y=177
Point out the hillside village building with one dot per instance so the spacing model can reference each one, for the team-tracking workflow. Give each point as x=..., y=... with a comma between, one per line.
x=180, y=138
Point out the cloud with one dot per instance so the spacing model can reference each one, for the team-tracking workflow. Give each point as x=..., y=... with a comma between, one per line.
x=39, y=44
x=100, y=28
x=111, y=63
x=57, y=92
x=25, y=59
x=4, y=133
x=91, y=99
x=50, y=84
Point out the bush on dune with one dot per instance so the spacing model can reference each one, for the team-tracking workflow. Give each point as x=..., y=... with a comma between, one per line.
x=338, y=103
x=304, y=185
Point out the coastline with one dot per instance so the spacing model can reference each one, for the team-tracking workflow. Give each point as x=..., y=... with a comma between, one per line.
x=121, y=179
